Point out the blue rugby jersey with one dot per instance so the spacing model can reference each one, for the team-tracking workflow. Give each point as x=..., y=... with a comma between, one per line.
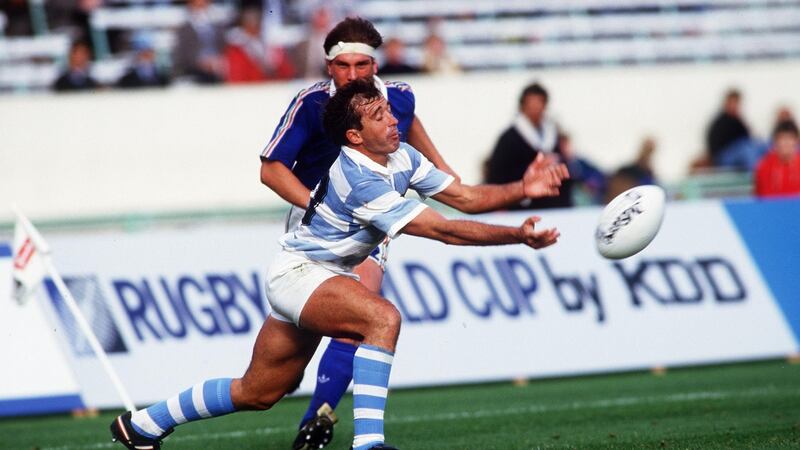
x=300, y=141
x=360, y=202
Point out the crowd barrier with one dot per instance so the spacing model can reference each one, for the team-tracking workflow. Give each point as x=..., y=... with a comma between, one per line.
x=176, y=306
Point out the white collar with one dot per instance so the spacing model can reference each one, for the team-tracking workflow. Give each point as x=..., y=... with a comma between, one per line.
x=364, y=160
x=378, y=84
x=543, y=139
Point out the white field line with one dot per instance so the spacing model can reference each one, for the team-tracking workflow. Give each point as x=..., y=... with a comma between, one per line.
x=477, y=414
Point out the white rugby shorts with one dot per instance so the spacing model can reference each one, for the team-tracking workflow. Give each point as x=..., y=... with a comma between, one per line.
x=291, y=279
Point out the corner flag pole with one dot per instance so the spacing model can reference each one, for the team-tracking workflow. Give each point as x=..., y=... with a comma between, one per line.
x=44, y=249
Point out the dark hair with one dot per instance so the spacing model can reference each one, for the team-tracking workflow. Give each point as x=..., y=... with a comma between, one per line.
x=341, y=113
x=80, y=43
x=533, y=89
x=786, y=126
x=733, y=93
x=353, y=29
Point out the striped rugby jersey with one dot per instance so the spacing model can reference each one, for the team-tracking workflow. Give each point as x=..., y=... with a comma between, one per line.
x=360, y=202
x=300, y=142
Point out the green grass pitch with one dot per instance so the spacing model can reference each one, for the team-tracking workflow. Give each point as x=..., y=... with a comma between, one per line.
x=749, y=405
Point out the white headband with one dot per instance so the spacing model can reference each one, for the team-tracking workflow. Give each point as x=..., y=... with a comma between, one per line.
x=350, y=47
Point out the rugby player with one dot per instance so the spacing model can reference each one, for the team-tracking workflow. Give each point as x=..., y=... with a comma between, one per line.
x=297, y=157
x=311, y=284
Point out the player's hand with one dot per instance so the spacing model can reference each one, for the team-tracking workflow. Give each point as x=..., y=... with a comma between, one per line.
x=537, y=238
x=543, y=177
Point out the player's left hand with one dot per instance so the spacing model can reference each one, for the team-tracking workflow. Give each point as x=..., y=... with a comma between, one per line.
x=543, y=177
x=535, y=238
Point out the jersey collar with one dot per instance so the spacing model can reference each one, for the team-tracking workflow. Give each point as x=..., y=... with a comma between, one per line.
x=363, y=160
x=378, y=84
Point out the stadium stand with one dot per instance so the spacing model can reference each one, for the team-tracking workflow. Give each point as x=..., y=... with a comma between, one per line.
x=159, y=19
x=31, y=62
x=485, y=34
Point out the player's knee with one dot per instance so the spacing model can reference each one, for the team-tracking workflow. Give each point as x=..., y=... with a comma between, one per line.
x=394, y=319
x=389, y=320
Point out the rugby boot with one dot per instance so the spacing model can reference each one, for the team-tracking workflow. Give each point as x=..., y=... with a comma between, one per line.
x=122, y=431
x=317, y=432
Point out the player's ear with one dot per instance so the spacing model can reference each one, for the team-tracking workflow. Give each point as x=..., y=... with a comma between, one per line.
x=329, y=68
x=353, y=136
x=374, y=67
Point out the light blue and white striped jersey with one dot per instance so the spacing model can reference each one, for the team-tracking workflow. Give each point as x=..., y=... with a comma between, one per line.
x=360, y=202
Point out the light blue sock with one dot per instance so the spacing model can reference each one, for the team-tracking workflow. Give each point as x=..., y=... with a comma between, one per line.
x=210, y=398
x=371, y=368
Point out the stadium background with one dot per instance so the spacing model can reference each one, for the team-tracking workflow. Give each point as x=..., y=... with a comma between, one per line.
x=120, y=182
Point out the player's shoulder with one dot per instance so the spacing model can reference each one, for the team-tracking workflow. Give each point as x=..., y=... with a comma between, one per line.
x=407, y=148
x=401, y=97
x=322, y=88
x=410, y=155
x=400, y=86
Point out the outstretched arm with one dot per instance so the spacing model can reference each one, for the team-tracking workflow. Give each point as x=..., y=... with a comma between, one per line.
x=419, y=139
x=432, y=225
x=542, y=179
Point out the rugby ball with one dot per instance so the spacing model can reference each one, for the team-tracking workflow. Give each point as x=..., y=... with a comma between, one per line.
x=630, y=221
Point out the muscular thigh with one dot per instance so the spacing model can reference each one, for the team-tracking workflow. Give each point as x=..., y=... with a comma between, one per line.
x=342, y=307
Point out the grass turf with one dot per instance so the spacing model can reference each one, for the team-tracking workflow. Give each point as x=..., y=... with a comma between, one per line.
x=751, y=405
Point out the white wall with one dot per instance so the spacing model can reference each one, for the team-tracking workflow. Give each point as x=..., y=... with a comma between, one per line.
x=190, y=148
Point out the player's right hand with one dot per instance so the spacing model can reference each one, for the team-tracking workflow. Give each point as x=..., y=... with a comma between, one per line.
x=543, y=177
x=537, y=238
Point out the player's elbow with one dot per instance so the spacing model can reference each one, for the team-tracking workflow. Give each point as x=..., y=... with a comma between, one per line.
x=267, y=173
x=461, y=198
x=469, y=208
x=429, y=230
x=467, y=204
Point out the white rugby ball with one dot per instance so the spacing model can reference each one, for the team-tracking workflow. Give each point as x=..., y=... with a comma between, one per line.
x=630, y=221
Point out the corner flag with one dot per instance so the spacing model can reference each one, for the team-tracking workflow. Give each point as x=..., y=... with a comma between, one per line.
x=32, y=261
x=29, y=270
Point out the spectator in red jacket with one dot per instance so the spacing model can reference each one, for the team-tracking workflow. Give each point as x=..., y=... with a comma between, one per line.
x=778, y=172
x=250, y=58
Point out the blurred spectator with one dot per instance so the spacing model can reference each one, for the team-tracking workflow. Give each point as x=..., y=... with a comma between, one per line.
x=435, y=58
x=144, y=72
x=784, y=114
x=18, y=17
x=198, y=53
x=77, y=77
x=728, y=140
x=532, y=132
x=308, y=54
x=778, y=172
x=638, y=173
x=395, y=59
x=588, y=182
x=249, y=58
